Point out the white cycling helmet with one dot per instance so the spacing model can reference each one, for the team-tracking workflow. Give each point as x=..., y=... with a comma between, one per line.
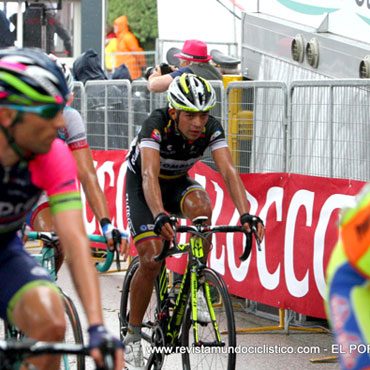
x=66, y=71
x=191, y=93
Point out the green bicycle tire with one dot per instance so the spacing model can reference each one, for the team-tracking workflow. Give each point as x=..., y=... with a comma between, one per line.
x=225, y=321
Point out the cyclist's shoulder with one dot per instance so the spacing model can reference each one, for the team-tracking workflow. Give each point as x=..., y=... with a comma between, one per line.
x=71, y=113
x=73, y=119
x=158, y=118
x=213, y=124
x=55, y=169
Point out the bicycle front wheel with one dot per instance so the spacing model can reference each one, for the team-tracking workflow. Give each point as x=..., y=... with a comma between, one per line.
x=73, y=335
x=217, y=340
x=150, y=314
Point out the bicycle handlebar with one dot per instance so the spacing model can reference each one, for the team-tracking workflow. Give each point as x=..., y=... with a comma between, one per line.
x=28, y=348
x=49, y=237
x=206, y=230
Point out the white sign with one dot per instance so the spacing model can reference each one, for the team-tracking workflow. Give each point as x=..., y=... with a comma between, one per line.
x=348, y=18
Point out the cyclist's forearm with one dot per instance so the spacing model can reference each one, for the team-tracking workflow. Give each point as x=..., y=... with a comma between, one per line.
x=86, y=282
x=89, y=181
x=69, y=226
x=96, y=198
x=153, y=194
x=236, y=190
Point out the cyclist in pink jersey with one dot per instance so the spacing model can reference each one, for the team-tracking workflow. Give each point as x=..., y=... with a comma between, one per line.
x=33, y=93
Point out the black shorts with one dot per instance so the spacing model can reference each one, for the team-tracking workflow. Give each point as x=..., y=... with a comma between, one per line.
x=140, y=218
x=19, y=272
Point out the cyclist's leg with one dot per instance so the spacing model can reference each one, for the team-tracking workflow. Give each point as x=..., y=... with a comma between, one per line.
x=40, y=220
x=348, y=303
x=147, y=243
x=30, y=300
x=143, y=280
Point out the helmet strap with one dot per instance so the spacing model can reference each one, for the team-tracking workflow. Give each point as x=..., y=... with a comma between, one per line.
x=24, y=156
x=177, y=123
x=17, y=118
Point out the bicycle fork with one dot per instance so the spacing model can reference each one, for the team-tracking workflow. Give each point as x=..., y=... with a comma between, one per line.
x=197, y=266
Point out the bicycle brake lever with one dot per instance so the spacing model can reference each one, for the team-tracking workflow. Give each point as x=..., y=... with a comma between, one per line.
x=117, y=238
x=117, y=251
x=254, y=230
x=107, y=349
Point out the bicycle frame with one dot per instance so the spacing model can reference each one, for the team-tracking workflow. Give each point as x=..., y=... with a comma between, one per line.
x=195, y=248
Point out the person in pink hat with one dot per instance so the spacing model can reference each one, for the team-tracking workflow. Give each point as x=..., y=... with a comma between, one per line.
x=194, y=58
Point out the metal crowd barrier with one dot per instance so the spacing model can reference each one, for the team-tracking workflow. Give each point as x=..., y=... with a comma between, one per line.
x=315, y=127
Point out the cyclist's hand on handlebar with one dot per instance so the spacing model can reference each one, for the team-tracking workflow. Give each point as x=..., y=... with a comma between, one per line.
x=99, y=336
x=251, y=221
x=162, y=226
x=114, y=237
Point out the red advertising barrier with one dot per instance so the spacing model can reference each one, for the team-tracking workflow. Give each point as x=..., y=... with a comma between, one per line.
x=300, y=213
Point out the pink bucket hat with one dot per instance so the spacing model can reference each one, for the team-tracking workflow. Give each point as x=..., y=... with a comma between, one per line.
x=195, y=51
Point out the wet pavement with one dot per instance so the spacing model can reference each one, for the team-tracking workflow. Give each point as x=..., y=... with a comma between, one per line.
x=274, y=349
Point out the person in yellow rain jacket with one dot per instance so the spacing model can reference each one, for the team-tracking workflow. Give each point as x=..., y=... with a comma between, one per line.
x=126, y=42
x=111, y=47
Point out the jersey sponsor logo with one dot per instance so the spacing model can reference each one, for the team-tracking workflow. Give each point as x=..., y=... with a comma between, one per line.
x=143, y=228
x=173, y=164
x=8, y=209
x=39, y=271
x=340, y=311
x=156, y=135
x=216, y=134
x=347, y=342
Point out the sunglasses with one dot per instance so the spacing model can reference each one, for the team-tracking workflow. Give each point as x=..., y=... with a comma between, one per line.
x=48, y=111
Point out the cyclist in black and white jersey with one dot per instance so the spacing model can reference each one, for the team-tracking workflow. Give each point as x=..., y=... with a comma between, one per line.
x=74, y=134
x=171, y=141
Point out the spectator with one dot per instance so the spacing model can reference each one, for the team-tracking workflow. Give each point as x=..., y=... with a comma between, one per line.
x=109, y=33
x=111, y=47
x=111, y=98
x=194, y=58
x=33, y=18
x=127, y=42
x=121, y=73
x=6, y=37
x=87, y=67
